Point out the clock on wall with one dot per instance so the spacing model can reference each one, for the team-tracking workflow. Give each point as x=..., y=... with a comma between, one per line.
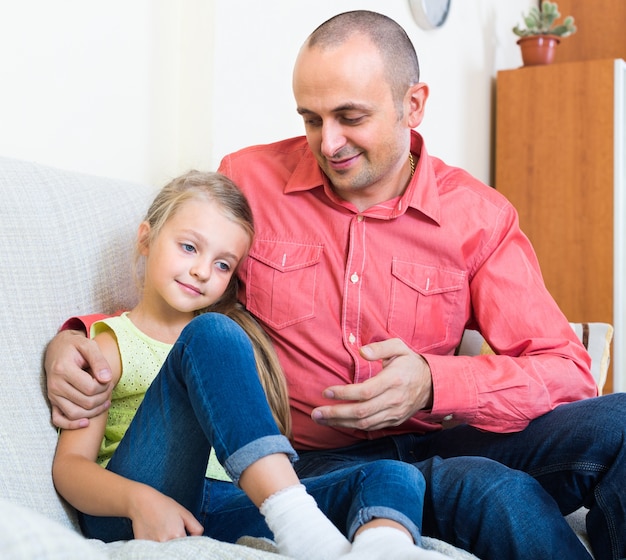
x=430, y=14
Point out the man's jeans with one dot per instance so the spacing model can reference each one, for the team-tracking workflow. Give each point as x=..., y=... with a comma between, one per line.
x=504, y=495
x=208, y=394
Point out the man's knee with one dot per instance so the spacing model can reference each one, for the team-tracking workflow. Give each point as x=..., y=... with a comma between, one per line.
x=477, y=480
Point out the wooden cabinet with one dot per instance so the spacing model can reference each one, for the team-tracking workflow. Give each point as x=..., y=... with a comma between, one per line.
x=600, y=30
x=561, y=160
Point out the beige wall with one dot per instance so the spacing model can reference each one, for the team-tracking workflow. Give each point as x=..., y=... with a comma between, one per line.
x=144, y=89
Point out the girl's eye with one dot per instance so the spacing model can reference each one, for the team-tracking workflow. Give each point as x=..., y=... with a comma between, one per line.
x=223, y=266
x=188, y=248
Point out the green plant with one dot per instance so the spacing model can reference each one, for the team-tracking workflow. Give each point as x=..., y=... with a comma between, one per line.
x=542, y=22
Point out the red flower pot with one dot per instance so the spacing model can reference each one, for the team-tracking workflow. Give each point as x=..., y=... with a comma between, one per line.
x=538, y=49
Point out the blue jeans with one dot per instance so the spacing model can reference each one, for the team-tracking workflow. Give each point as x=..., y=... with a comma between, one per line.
x=208, y=394
x=350, y=497
x=504, y=495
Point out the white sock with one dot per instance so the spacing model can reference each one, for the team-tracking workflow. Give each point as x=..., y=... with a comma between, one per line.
x=300, y=528
x=385, y=543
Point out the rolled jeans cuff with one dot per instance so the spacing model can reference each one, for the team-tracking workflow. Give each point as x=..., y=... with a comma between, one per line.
x=241, y=459
x=366, y=514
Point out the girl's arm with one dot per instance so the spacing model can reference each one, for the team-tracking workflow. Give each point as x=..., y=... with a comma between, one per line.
x=97, y=491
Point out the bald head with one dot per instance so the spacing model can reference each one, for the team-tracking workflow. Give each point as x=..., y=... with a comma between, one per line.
x=395, y=48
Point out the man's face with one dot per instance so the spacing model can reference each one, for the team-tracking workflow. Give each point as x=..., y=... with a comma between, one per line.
x=352, y=123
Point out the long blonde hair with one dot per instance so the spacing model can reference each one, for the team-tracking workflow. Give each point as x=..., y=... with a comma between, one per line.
x=232, y=203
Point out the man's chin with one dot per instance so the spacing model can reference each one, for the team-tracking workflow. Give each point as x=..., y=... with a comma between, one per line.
x=341, y=179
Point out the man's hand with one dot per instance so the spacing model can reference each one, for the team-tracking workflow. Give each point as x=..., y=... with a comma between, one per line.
x=78, y=379
x=403, y=387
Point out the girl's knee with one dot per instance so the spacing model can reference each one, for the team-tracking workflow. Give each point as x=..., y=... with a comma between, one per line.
x=214, y=328
x=209, y=321
x=393, y=472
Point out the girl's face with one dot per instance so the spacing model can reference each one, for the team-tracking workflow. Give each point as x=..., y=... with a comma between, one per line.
x=191, y=261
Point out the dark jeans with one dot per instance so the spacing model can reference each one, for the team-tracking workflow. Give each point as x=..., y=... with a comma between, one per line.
x=504, y=495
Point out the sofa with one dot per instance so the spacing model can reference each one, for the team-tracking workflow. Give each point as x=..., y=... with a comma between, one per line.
x=67, y=243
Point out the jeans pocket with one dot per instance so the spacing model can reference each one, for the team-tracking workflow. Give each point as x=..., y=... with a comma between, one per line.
x=281, y=281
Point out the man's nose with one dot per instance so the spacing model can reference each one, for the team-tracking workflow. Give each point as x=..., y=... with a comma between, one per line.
x=333, y=139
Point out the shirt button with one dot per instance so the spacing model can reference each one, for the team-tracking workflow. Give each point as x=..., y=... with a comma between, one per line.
x=352, y=338
x=354, y=278
x=448, y=417
x=359, y=218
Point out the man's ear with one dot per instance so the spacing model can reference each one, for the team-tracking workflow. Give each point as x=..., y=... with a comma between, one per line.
x=415, y=104
x=143, y=238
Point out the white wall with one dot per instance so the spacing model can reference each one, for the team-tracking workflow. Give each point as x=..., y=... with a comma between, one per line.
x=88, y=85
x=144, y=89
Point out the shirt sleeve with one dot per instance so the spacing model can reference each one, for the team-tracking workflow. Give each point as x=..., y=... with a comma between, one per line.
x=84, y=322
x=539, y=362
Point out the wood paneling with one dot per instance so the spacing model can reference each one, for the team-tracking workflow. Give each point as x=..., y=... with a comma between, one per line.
x=554, y=161
x=601, y=30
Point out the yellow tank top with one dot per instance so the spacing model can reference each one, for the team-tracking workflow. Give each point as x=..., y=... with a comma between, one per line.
x=142, y=358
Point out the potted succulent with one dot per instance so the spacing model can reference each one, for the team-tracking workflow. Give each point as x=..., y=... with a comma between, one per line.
x=538, y=41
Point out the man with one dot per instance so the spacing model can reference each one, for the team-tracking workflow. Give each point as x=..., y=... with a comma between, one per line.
x=371, y=258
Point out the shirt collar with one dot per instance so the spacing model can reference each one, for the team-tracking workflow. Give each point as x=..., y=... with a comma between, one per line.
x=422, y=192
x=307, y=174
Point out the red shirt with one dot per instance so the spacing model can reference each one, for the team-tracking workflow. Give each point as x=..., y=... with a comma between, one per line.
x=324, y=279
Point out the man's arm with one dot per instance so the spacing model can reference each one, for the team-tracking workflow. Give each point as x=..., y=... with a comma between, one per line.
x=78, y=379
x=538, y=364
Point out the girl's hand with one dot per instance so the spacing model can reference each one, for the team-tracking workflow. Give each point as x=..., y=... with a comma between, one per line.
x=157, y=517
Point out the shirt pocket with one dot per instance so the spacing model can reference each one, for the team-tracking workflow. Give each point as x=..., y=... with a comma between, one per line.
x=281, y=282
x=424, y=302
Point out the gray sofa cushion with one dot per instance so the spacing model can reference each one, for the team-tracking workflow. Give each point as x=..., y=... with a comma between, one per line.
x=64, y=240
x=28, y=535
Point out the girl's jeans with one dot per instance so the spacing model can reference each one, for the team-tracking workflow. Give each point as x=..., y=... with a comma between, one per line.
x=504, y=495
x=207, y=394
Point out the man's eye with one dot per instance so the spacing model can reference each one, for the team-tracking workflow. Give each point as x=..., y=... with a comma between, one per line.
x=312, y=122
x=353, y=120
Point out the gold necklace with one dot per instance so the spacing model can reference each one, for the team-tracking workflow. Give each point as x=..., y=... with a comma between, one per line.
x=412, y=163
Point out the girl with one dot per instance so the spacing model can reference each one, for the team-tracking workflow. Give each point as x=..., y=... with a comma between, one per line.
x=156, y=438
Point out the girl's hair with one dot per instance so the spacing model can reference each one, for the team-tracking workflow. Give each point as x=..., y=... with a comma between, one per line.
x=219, y=189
